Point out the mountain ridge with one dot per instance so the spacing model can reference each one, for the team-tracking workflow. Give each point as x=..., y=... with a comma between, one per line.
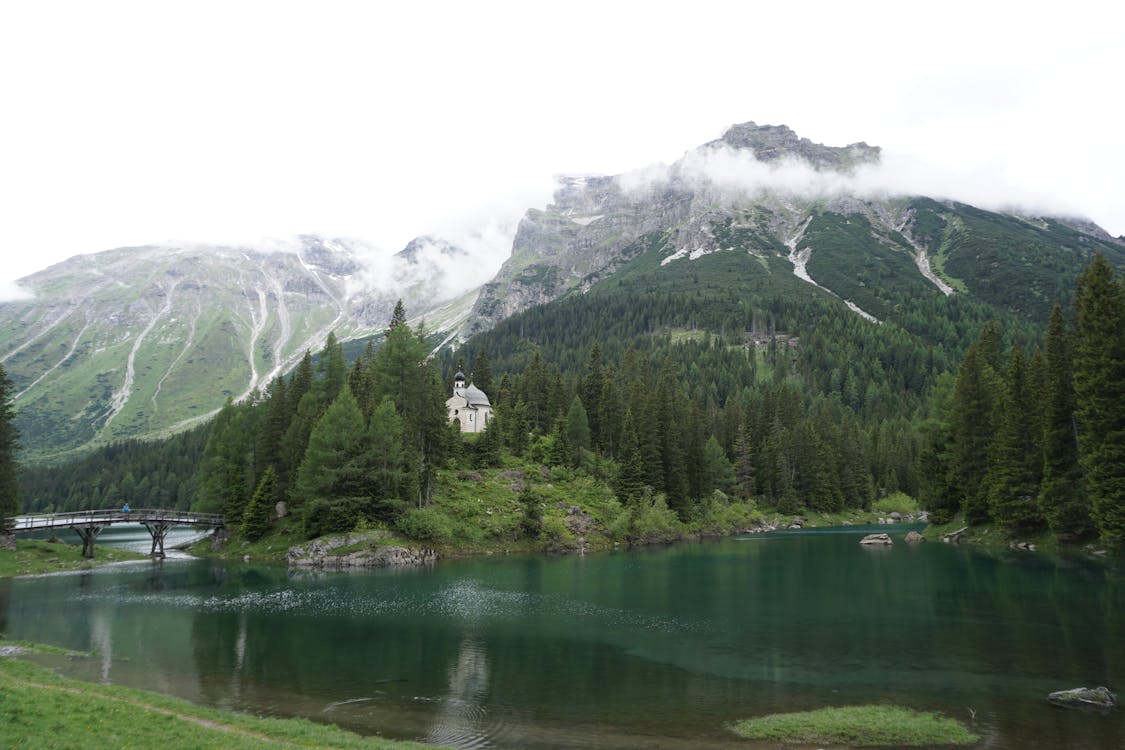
x=138, y=342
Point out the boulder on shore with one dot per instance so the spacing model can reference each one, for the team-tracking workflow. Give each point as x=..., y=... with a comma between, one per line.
x=876, y=539
x=1100, y=698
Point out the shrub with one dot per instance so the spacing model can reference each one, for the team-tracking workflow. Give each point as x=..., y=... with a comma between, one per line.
x=899, y=501
x=426, y=524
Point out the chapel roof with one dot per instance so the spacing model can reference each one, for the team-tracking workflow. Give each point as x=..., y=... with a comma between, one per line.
x=475, y=396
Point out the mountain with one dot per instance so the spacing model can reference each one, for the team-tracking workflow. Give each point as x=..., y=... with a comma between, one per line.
x=757, y=228
x=138, y=342
x=765, y=192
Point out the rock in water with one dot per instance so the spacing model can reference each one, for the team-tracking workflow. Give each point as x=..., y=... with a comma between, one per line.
x=1099, y=698
x=914, y=536
x=876, y=539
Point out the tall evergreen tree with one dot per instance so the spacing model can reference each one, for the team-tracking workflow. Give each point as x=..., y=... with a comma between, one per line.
x=629, y=485
x=301, y=382
x=272, y=434
x=1061, y=498
x=404, y=373
x=9, y=444
x=590, y=391
x=482, y=369
x=1016, y=461
x=1099, y=387
x=971, y=434
x=577, y=428
x=386, y=461
x=332, y=369
x=225, y=472
x=259, y=511
x=333, y=487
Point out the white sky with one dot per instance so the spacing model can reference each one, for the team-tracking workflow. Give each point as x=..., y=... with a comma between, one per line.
x=126, y=123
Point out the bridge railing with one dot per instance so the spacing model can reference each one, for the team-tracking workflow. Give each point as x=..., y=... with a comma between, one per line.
x=101, y=517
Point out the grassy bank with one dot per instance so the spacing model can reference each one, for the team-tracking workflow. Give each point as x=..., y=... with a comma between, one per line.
x=40, y=709
x=858, y=726
x=35, y=556
x=522, y=507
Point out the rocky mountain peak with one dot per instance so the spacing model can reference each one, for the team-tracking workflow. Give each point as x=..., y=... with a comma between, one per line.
x=771, y=143
x=416, y=246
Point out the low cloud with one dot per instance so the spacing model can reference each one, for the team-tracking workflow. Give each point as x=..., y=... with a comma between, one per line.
x=739, y=175
x=10, y=291
x=456, y=254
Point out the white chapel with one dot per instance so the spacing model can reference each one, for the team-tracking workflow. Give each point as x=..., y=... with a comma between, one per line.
x=468, y=405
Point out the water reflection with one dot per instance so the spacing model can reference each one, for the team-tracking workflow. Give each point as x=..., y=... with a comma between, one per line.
x=673, y=642
x=460, y=720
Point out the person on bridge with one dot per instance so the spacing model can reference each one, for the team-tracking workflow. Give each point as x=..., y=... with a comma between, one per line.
x=126, y=508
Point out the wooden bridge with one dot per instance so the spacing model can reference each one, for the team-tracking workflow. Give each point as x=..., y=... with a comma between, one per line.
x=88, y=524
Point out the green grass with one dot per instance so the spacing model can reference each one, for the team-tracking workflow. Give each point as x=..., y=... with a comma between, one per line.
x=858, y=726
x=35, y=556
x=992, y=536
x=43, y=710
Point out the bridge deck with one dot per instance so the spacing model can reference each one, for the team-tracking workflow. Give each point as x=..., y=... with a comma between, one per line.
x=88, y=518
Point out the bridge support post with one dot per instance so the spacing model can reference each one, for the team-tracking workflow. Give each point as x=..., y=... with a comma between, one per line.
x=88, y=534
x=157, y=530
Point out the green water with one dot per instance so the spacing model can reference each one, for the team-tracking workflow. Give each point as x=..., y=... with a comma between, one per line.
x=656, y=648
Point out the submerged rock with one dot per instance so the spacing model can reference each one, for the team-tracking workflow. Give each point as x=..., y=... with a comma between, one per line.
x=914, y=536
x=883, y=539
x=1100, y=698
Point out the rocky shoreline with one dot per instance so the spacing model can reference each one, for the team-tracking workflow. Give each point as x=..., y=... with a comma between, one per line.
x=359, y=550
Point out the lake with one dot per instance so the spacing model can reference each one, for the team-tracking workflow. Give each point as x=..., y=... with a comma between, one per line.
x=654, y=648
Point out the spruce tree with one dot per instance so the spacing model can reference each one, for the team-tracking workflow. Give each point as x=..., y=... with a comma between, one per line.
x=1016, y=461
x=259, y=511
x=333, y=485
x=629, y=485
x=482, y=369
x=590, y=391
x=332, y=369
x=577, y=431
x=971, y=434
x=1099, y=387
x=386, y=462
x=1061, y=498
x=9, y=444
x=718, y=470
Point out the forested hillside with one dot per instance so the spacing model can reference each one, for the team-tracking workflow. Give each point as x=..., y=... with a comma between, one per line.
x=1034, y=439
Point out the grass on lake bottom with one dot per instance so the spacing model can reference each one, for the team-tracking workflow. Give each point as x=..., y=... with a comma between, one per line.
x=40, y=709
x=35, y=556
x=858, y=726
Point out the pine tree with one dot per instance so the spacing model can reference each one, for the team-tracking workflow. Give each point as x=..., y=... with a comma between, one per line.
x=971, y=434
x=332, y=369
x=9, y=444
x=482, y=369
x=272, y=433
x=386, y=462
x=489, y=444
x=744, y=473
x=629, y=485
x=398, y=317
x=1061, y=498
x=225, y=471
x=333, y=486
x=1016, y=460
x=590, y=391
x=1099, y=387
x=259, y=511
x=301, y=381
x=577, y=431
x=718, y=470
